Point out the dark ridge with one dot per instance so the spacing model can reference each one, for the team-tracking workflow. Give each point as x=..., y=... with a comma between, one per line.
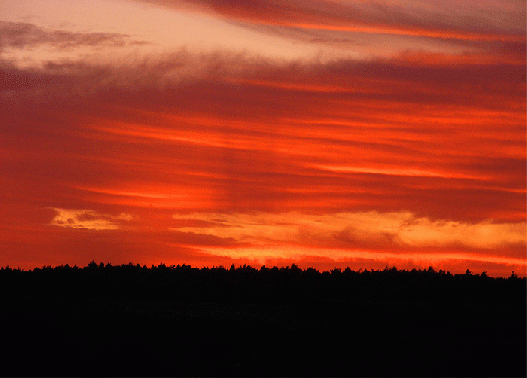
x=132, y=320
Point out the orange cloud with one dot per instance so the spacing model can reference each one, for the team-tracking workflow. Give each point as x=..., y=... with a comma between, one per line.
x=400, y=228
x=88, y=219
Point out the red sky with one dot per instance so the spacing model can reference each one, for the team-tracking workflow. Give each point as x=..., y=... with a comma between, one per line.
x=323, y=133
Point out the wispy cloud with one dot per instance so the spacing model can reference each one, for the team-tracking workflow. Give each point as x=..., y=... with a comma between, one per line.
x=320, y=19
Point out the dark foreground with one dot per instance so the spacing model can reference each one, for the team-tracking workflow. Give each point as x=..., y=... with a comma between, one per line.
x=163, y=321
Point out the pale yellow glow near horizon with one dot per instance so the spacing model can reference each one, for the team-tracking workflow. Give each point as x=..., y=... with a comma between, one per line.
x=261, y=254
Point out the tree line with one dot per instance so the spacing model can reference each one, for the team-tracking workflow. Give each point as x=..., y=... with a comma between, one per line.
x=247, y=284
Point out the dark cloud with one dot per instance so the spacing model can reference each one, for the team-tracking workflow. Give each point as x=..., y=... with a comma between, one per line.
x=24, y=35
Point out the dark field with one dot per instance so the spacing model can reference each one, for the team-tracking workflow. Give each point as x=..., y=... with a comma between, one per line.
x=170, y=321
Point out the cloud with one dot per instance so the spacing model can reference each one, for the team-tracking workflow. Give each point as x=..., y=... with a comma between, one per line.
x=355, y=229
x=24, y=35
x=88, y=219
x=473, y=21
x=31, y=46
x=327, y=30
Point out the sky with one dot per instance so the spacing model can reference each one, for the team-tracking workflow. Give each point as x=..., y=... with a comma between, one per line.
x=325, y=133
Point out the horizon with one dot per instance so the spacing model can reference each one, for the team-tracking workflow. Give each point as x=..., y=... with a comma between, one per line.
x=321, y=133
x=262, y=267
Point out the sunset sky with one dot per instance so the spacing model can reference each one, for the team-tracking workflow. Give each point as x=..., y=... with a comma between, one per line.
x=326, y=133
